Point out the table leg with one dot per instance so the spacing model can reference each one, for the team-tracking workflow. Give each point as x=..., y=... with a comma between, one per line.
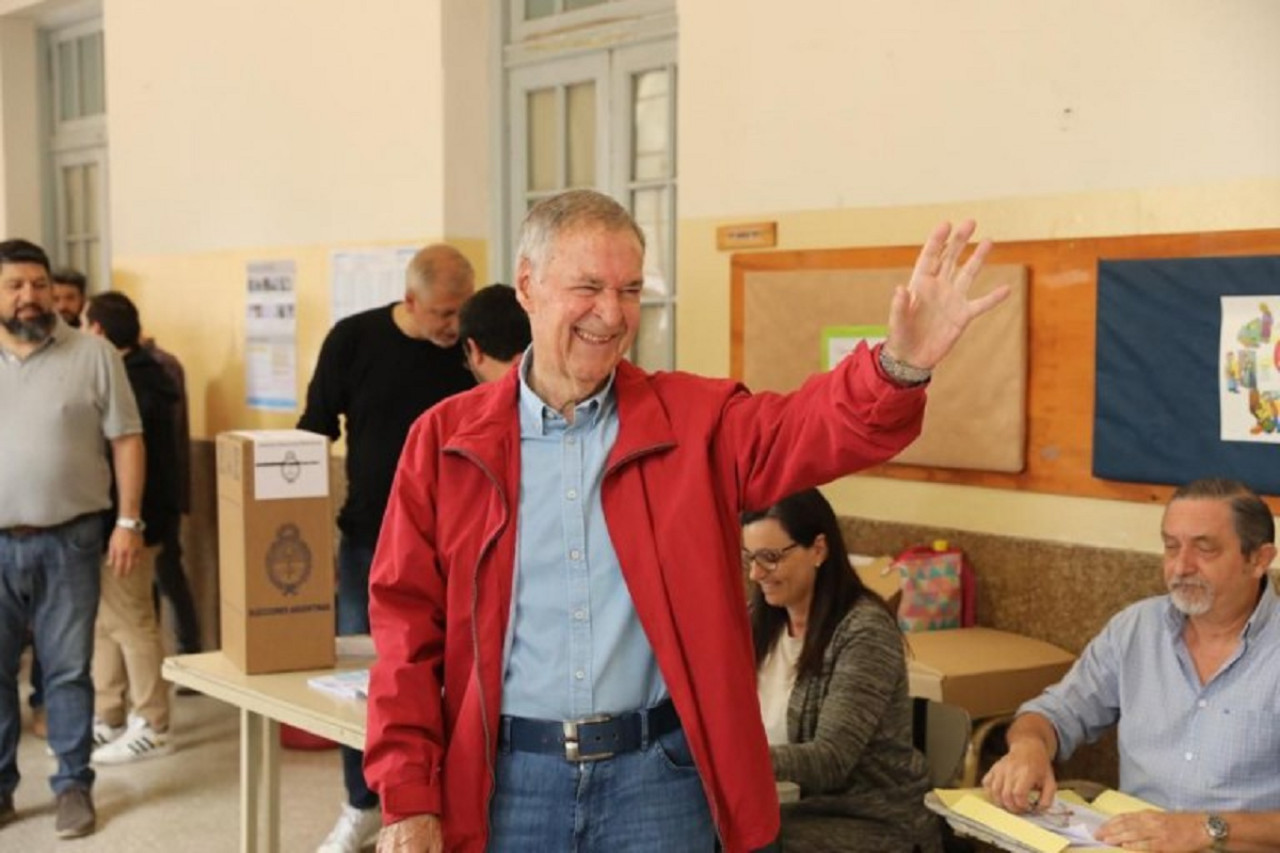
x=259, y=783
x=250, y=767
x=271, y=778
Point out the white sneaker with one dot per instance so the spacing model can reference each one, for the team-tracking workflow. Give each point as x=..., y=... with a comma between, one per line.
x=103, y=734
x=138, y=741
x=355, y=829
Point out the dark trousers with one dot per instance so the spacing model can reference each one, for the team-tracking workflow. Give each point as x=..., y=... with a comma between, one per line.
x=354, y=559
x=171, y=582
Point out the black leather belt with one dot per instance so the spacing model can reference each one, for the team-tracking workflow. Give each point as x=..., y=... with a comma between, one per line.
x=591, y=738
x=20, y=531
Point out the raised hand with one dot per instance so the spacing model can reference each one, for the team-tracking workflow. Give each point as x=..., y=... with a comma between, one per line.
x=927, y=317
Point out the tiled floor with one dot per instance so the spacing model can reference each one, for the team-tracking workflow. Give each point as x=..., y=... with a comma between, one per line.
x=187, y=801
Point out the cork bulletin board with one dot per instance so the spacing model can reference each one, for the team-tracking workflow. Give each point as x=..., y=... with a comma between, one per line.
x=1061, y=312
x=976, y=417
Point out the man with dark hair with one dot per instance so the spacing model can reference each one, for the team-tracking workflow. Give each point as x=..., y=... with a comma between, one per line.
x=69, y=290
x=1189, y=679
x=494, y=330
x=564, y=660
x=64, y=393
x=379, y=370
x=127, y=652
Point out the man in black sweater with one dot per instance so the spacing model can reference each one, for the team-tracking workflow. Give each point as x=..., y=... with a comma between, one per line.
x=379, y=370
x=127, y=652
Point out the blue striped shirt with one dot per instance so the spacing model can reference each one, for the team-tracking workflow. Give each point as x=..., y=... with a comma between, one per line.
x=575, y=646
x=1183, y=745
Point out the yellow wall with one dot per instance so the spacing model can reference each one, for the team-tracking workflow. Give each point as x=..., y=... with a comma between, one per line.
x=195, y=306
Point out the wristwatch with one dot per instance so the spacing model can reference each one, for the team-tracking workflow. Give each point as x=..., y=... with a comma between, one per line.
x=137, y=525
x=1216, y=828
x=902, y=373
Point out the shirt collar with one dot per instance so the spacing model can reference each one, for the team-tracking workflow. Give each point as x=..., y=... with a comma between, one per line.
x=537, y=415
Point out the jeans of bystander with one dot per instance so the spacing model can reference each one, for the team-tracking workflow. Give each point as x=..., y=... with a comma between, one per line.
x=49, y=580
x=354, y=560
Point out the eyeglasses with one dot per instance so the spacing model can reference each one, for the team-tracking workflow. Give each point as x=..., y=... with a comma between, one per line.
x=766, y=558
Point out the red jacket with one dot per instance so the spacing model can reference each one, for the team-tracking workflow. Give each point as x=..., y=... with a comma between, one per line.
x=691, y=453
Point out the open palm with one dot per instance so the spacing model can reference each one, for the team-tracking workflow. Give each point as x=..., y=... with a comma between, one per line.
x=929, y=314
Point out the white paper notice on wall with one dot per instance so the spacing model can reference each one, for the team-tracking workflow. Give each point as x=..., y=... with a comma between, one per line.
x=289, y=463
x=360, y=279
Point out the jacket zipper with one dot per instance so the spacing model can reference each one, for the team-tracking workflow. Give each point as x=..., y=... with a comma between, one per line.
x=475, y=634
x=612, y=469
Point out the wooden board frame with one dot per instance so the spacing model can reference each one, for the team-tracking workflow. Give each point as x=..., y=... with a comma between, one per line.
x=1062, y=297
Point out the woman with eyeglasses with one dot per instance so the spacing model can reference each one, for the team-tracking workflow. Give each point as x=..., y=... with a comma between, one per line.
x=832, y=681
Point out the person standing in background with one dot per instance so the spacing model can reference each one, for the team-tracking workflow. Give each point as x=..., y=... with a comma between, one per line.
x=494, y=331
x=69, y=293
x=379, y=370
x=131, y=706
x=64, y=394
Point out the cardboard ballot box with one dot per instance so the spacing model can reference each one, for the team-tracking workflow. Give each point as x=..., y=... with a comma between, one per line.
x=275, y=550
x=984, y=671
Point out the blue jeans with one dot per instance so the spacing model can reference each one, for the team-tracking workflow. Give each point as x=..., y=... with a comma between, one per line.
x=354, y=560
x=646, y=800
x=49, y=580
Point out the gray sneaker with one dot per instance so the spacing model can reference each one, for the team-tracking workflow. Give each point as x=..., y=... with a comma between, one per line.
x=76, y=816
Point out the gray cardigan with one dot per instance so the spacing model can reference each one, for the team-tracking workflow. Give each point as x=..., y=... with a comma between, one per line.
x=850, y=748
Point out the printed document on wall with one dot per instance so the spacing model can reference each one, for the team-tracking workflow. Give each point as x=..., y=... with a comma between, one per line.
x=1249, y=370
x=361, y=279
x=271, y=335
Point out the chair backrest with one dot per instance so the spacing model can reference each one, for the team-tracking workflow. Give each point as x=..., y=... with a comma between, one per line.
x=941, y=732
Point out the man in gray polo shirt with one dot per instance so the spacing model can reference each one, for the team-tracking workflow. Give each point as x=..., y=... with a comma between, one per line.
x=66, y=400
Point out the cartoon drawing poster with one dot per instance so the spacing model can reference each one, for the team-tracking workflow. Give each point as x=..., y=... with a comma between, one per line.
x=1249, y=369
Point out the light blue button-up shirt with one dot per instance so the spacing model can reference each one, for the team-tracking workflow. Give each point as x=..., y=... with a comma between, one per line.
x=1183, y=745
x=575, y=646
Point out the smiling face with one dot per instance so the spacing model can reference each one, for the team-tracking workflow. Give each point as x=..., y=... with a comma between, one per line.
x=765, y=545
x=1204, y=569
x=583, y=302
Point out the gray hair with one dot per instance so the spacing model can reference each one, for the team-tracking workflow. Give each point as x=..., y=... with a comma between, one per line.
x=1252, y=518
x=553, y=216
x=439, y=265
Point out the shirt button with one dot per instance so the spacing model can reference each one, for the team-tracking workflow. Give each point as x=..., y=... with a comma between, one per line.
x=571, y=441
x=580, y=615
x=579, y=675
x=1202, y=704
x=572, y=494
x=1189, y=756
x=575, y=554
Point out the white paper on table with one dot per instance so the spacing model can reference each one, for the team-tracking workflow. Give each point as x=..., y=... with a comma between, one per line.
x=1076, y=822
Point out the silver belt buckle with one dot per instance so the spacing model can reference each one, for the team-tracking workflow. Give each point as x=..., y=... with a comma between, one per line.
x=571, y=738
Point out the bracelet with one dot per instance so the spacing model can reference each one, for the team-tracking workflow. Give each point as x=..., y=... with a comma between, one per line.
x=902, y=373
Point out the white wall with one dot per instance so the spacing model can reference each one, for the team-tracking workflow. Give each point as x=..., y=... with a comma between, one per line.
x=20, y=214
x=860, y=103
x=467, y=86
x=247, y=123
